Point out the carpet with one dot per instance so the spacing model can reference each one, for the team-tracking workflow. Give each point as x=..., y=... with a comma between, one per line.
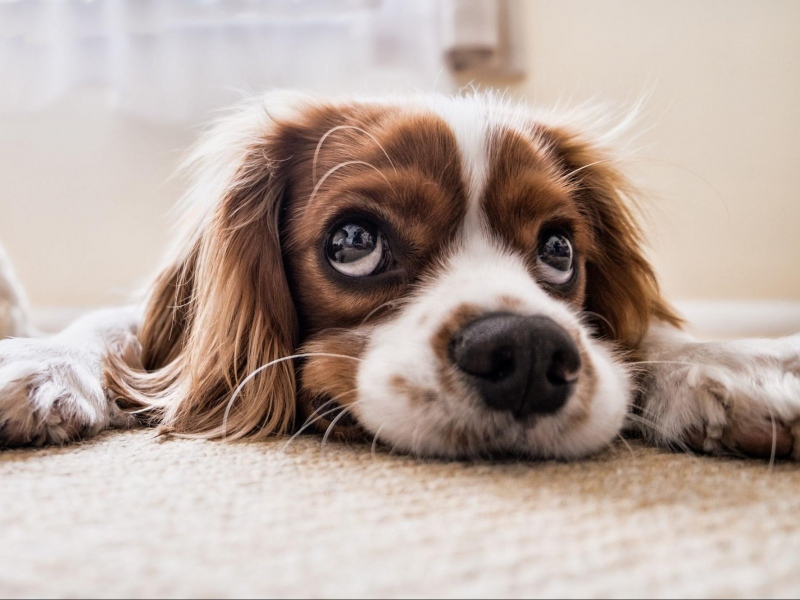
x=131, y=515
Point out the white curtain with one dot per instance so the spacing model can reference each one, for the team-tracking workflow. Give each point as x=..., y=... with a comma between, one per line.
x=176, y=60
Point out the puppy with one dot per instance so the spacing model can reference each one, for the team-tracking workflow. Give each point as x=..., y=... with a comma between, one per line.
x=450, y=276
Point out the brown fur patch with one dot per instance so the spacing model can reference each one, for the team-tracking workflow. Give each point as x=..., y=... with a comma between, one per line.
x=587, y=387
x=328, y=381
x=414, y=196
x=415, y=394
x=509, y=303
x=440, y=343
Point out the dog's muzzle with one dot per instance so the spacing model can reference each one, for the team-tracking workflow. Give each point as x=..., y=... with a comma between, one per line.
x=522, y=365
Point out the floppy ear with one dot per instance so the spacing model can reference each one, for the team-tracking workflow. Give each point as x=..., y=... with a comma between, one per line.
x=621, y=286
x=222, y=307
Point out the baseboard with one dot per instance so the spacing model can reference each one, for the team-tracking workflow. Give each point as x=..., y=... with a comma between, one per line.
x=54, y=318
x=707, y=318
x=741, y=318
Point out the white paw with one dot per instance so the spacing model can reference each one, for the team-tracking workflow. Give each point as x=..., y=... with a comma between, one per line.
x=738, y=397
x=51, y=392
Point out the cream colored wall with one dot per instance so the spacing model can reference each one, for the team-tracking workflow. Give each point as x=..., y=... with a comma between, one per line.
x=84, y=197
x=721, y=133
x=84, y=194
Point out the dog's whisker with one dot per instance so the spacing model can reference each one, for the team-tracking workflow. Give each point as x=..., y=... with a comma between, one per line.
x=261, y=369
x=705, y=180
x=316, y=412
x=603, y=319
x=574, y=172
x=664, y=362
x=339, y=128
x=640, y=366
x=332, y=170
x=626, y=444
x=413, y=439
x=374, y=311
x=315, y=419
x=774, y=450
x=680, y=444
x=375, y=442
x=308, y=424
x=329, y=430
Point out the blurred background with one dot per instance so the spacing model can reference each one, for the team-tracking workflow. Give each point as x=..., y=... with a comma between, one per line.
x=99, y=101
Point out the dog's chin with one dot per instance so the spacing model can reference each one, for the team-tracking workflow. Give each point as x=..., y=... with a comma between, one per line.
x=473, y=432
x=496, y=438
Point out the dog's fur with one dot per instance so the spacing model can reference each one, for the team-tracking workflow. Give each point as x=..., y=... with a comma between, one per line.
x=462, y=191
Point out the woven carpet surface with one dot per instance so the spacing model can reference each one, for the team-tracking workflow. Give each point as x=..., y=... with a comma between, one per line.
x=129, y=514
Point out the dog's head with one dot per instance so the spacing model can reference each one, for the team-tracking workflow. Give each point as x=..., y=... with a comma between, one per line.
x=457, y=276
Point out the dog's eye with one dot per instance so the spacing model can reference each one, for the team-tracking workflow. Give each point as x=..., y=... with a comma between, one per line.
x=556, y=258
x=356, y=249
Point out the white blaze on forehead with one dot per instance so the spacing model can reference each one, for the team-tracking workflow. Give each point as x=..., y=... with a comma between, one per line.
x=470, y=122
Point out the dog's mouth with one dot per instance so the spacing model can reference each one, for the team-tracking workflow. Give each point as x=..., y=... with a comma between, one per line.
x=476, y=433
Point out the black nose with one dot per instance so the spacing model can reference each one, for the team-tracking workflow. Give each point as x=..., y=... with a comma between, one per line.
x=524, y=365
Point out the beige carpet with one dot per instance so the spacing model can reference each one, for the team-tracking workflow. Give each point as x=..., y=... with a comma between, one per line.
x=128, y=515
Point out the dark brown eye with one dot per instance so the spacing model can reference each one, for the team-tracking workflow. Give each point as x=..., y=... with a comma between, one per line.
x=556, y=258
x=356, y=249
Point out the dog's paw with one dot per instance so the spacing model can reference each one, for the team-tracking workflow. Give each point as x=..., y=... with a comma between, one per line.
x=738, y=397
x=52, y=393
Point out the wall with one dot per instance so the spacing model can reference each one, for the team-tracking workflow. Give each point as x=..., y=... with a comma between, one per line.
x=84, y=194
x=84, y=199
x=720, y=136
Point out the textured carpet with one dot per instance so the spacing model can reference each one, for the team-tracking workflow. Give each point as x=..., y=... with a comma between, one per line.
x=129, y=515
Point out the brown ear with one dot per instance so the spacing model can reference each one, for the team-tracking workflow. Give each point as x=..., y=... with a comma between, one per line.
x=222, y=307
x=621, y=288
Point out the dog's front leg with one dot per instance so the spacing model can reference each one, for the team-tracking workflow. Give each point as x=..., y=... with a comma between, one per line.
x=52, y=390
x=740, y=397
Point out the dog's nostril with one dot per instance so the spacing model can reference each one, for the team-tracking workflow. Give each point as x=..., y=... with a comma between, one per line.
x=491, y=365
x=523, y=365
x=504, y=364
x=563, y=369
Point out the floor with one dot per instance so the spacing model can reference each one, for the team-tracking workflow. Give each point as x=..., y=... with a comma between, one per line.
x=132, y=515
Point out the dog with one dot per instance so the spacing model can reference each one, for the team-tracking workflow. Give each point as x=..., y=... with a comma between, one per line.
x=451, y=277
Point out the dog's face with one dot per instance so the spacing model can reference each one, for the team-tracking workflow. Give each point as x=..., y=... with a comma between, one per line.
x=449, y=263
x=446, y=267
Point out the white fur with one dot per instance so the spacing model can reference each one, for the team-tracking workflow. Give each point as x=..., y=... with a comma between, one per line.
x=469, y=122
x=51, y=390
x=752, y=385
